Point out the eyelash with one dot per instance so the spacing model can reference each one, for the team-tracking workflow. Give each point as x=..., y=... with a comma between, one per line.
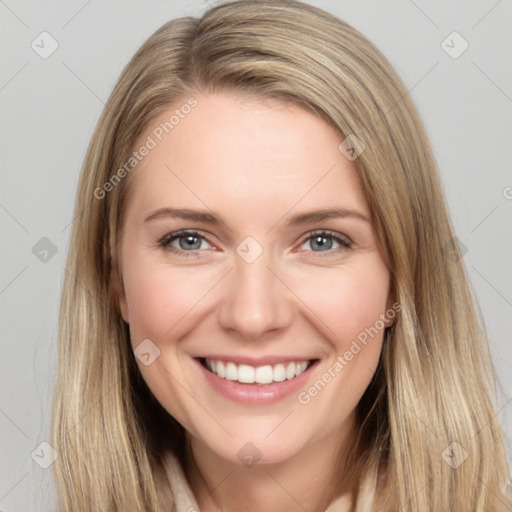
x=345, y=242
x=167, y=239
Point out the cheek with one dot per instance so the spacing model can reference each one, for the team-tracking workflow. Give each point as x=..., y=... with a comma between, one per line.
x=349, y=304
x=348, y=301
x=158, y=298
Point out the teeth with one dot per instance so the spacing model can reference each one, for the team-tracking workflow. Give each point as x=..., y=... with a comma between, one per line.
x=261, y=375
x=245, y=373
x=279, y=373
x=221, y=369
x=264, y=374
x=231, y=371
x=300, y=367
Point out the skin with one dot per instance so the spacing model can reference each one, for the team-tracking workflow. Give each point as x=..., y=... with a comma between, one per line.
x=256, y=164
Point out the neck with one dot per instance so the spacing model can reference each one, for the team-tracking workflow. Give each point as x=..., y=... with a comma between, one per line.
x=310, y=480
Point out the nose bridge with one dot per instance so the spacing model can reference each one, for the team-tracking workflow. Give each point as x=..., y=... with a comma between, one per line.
x=255, y=301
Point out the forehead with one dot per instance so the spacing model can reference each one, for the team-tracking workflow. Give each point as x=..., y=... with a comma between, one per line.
x=250, y=153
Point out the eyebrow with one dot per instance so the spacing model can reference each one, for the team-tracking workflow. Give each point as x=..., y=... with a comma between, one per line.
x=330, y=213
x=216, y=220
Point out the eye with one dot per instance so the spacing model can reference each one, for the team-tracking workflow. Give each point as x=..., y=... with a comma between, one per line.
x=189, y=242
x=324, y=241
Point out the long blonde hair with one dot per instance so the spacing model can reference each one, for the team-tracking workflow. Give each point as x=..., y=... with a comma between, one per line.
x=435, y=383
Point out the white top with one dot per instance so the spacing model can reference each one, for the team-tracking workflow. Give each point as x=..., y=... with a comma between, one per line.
x=184, y=500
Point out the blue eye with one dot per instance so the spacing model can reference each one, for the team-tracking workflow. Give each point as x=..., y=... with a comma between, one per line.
x=323, y=240
x=188, y=242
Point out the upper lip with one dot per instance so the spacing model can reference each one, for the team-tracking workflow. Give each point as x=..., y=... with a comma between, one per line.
x=256, y=361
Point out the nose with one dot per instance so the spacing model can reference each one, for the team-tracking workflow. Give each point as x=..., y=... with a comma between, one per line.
x=256, y=300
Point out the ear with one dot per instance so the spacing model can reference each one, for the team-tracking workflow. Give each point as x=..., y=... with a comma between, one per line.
x=119, y=292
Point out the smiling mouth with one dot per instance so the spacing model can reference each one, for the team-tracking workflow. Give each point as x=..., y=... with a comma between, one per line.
x=260, y=375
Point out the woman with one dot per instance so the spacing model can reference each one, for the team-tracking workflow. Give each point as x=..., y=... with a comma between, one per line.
x=264, y=308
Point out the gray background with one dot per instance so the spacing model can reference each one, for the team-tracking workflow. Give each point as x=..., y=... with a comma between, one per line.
x=50, y=107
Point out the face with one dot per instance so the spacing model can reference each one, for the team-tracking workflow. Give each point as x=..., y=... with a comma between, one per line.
x=253, y=320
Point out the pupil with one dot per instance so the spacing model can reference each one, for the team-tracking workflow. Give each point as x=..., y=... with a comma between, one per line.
x=189, y=241
x=321, y=241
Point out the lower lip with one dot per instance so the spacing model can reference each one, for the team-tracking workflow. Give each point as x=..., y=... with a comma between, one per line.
x=255, y=394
